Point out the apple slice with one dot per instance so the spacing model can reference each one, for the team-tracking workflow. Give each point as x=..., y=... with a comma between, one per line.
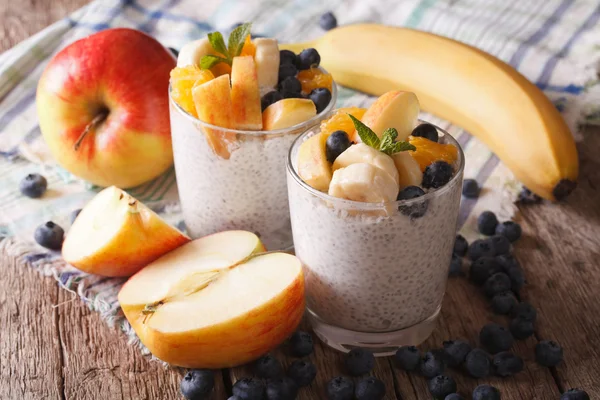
x=267, y=62
x=116, y=235
x=313, y=167
x=395, y=109
x=288, y=112
x=245, y=95
x=215, y=302
x=409, y=171
x=214, y=106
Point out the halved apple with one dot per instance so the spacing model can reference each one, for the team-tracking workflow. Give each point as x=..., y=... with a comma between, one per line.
x=395, y=109
x=288, y=112
x=245, y=95
x=313, y=167
x=215, y=302
x=116, y=235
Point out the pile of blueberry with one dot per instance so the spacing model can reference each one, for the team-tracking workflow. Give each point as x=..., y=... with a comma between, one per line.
x=289, y=86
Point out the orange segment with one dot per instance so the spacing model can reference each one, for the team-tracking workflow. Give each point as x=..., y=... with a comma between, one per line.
x=221, y=69
x=249, y=48
x=340, y=121
x=314, y=78
x=429, y=151
x=183, y=80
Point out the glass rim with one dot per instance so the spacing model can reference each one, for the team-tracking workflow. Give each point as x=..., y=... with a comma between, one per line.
x=375, y=206
x=303, y=125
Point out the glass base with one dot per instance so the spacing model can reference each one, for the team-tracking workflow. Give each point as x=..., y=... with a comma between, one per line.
x=380, y=343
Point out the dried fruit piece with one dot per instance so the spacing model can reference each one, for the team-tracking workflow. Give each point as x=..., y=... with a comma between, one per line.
x=183, y=80
x=340, y=121
x=428, y=152
x=314, y=78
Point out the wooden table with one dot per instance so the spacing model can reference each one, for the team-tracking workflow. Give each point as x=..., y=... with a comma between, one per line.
x=68, y=352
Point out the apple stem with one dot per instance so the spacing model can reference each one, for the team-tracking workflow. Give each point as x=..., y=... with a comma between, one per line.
x=98, y=119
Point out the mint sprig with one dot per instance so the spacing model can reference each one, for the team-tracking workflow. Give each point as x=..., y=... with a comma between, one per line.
x=387, y=144
x=237, y=37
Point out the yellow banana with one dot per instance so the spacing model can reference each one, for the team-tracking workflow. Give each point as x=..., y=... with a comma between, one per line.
x=464, y=85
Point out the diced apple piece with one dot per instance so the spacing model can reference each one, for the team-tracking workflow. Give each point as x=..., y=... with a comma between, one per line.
x=267, y=61
x=214, y=106
x=362, y=153
x=409, y=171
x=313, y=167
x=116, y=235
x=363, y=182
x=245, y=95
x=288, y=112
x=216, y=302
x=395, y=109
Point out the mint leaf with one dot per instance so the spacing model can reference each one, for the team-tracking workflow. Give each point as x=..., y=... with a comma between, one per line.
x=366, y=134
x=237, y=38
x=217, y=42
x=208, y=62
x=387, y=140
x=402, y=146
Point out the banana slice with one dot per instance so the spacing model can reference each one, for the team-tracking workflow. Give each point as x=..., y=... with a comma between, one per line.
x=363, y=182
x=192, y=52
x=362, y=153
x=408, y=168
x=267, y=62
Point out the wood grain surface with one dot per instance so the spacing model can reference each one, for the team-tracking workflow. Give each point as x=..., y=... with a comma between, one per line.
x=66, y=351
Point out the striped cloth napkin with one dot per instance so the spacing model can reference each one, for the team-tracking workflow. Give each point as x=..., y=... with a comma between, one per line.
x=555, y=43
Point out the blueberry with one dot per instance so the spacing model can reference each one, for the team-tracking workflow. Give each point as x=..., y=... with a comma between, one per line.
x=528, y=197
x=426, y=131
x=268, y=367
x=408, y=358
x=495, y=338
x=234, y=398
x=503, y=302
x=303, y=372
x=321, y=97
x=292, y=95
x=521, y=328
x=477, y=363
x=441, y=386
x=480, y=248
x=482, y=268
x=500, y=244
x=517, y=280
x=507, y=262
x=197, y=384
x=359, y=361
x=336, y=144
x=497, y=283
x=460, y=246
x=74, y=214
x=287, y=70
x=269, y=98
x=486, y=392
x=506, y=364
x=487, y=222
x=49, y=235
x=174, y=51
x=524, y=311
x=291, y=84
x=416, y=210
x=456, y=352
x=287, y=57
x=308, y=58
x=509, y=229
x=369, y=388
x=437, y=174
x=340, y=388
x=575, y=394
x=454, y=396
x=249, y=389
x=470, y=189
x=548, y=353
x=455, y=266
x=33, y=185
x=301, y=344
x=431, y=365
x=281, y=389
x=327, y=21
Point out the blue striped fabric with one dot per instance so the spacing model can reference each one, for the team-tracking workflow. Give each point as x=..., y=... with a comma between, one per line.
x=555, y=43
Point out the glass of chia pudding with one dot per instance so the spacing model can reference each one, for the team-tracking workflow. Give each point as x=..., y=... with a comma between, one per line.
x=374, y=213
x=235, y=112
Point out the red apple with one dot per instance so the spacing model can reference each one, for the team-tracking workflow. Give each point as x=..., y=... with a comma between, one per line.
x=103, y=108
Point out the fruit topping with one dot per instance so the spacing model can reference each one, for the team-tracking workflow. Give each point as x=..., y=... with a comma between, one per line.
x=370, y=388
x=477, y=363
x=497, y=283
x=426, y=131
x=269, y=98
x=267, y=62
x=286, y=70
x=501, y=245
x=431, y=365
x=361, y=153
x=470, y=189
x=327, y=21
x=414, y=210
x=521, y=328
x=308, y=58
x=249, y=48
x=437, y=174
x=503, y=302
x=314, y=78
x=395, y=109
x=486, y=392
x=509, y=229
x=197, y=384
x=359, y=361
x=506, y=364
x=303, y=372
x=268, y=367
x=313, y=167
x=428, y=152
x=33, y=185
x=363, y=182
x=495, y=338
x=340, y=388
x=482, y=268
x=321, y=97
x=480, y=248
x=460, y=246
x=281, y=389
x=249, y=389
x=336, y=144
x=287, y=57
x=183, y=80
x=245, y=94
x=456, y=352
x=408, y=358
x=487, y=222
x=409, y=172
x=441, y=386
x=301, y=344
x=287, y=112
x=49, y=235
